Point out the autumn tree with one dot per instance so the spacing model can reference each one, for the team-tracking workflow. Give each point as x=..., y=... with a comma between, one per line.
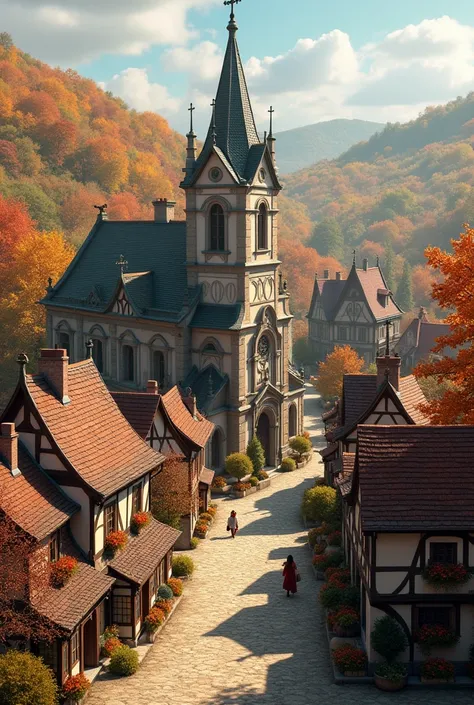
x=456, y=295
x=389, y=266
x=343, y=360
x=58, y=140
x=9, y=158
x=327, y=238
x=404, y=296
x=15, y=223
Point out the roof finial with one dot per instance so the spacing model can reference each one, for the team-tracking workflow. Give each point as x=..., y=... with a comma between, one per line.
x=353, y=257
x=49, y=288
x=122, y=263
x=89, y=348
x=191, y=110
x=378, y=261
x=231, y=3
x=271, y=111
x=22, y=360
x=214, y=134
x=102, y=214
x=387, y=338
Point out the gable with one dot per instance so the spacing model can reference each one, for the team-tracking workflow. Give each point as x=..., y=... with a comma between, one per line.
x=268, y=179
x=121, y=303
x=354, y=309
x=215, y=161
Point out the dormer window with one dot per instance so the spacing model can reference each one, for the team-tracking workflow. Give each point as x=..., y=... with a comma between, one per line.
x=54, y=547
x=217, y=228
x=262, y=221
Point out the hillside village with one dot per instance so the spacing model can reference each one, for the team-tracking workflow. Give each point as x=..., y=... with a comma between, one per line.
x=198, y=394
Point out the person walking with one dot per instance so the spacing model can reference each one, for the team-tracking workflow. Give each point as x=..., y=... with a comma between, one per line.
x=232, y=524
x=290, y=573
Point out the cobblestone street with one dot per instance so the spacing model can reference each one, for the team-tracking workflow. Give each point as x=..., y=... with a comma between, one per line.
x=236, y=637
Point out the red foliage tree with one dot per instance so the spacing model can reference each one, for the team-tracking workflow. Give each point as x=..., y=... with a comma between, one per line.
x=14, y=223
x=9, y=158
x=41, y=106
x=57, y=140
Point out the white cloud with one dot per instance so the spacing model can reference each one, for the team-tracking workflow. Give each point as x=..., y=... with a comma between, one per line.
x=134, y=86
x=203, y=62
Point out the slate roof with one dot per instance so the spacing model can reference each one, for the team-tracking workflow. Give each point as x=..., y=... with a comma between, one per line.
x=424, y=336
x=156, y=279
x=139, y=409
x=205, y=384
x=67, y=606
x=358, y=392
x=330, y=290
x=32, y=500
x=218, y=317
x=196, y=429
x=415, y=478
x=85, y=428
x=144, y=552
x=329, y=450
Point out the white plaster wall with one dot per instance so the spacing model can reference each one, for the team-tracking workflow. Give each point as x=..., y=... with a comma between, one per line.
x=396, y=549
x=386, y=583
x=99, y=532
x=146, y=493
x=80, y=522
x=51, y=462
x=29, y=441
x=124, y=510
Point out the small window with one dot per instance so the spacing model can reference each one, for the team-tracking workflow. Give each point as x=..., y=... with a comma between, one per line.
x=159, y=368
x=74, y=649
x=210, y=348
x=49, y=653
x=343, y=335
x=128, y=363
x=54, y=547
x=443, y=552
x=98, y=354
x=64, y=341
x=110, y=518
x=262, y=239
x=433, y=614
x=122, y=609
x=217, y=239
x=65, y=659
x=215, y=174
x=362, y=335
x=136, y=499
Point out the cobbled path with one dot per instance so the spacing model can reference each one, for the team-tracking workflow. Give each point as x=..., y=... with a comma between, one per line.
x=236, y=638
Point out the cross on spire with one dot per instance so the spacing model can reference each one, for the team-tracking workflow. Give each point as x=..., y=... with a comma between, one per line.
x=231, y=3
x=271, y=111
x=191, y=110
x=122, y=263
x=353, y=256
x=214, y=134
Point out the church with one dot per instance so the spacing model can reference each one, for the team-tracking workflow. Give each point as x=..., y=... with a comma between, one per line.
x=202, y=302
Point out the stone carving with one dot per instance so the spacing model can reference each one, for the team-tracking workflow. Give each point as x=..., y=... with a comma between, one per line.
x=262, y=289
x=219, y=292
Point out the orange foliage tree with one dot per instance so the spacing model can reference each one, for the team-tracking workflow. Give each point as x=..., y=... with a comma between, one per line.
x=14, y=224
x=343, y=360
x=456, y=294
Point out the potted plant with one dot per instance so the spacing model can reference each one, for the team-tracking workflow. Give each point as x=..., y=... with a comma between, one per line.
x=301, y=446
x=153, y=622
x=220, y=485
x=75, y=688
x=346, y=622
x=201, y=529
x=240, y=489
x=389, y=640
x=115, y=541
x=350, y=660
x=437, y=670
x=238, y=465
x=62, y=570
x=390, y=677
x=430, y=635
x=338, y=576
x=446, y=576
x=139, y=521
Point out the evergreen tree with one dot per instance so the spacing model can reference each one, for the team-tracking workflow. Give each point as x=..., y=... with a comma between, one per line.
x=327, y=238
x=389, y=265
x=404, y=297
x=256, y=454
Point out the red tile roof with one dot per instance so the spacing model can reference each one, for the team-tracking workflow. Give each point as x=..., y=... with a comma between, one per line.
x=206, y=476
x=411, y=397
x=32, y=500
x=348, y=462
x=197, y=429
x=139, y=409
x=144, y=552
x=416, y=478
x=91, y=431
x=371, y=281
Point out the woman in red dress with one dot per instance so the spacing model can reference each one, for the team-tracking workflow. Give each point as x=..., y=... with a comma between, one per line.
x=289, y=575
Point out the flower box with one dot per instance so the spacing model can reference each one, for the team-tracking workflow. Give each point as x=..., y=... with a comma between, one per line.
x=446, y=576
x=139, y=521
x=62, y=570
x=389, y=686
x=115, y=541
x=263, y=484
x=150, y=637
x=436, y=681
x=351, y=631
x=221, y=490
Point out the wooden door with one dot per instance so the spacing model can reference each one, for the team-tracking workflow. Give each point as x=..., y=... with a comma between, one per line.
x=145, y=599
x=91, y=641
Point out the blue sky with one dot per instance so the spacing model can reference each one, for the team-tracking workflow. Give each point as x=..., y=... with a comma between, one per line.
x=314, y=60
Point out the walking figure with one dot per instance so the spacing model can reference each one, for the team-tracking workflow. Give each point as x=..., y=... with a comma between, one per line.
x=290, y=573
x=232, y=524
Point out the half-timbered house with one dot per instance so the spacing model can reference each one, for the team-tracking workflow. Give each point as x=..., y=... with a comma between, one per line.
x=418, y=340
x=171, y=424
x=76, y=445
x=409, y=503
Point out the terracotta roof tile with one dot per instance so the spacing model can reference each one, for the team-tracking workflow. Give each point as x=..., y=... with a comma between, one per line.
x=416, y=478
x=371, y=281
x=144, y=552
x=197, y=429
x=139, y=409
x=411, y=397
x=32, y=500
x=348, y=462
x=85, y=428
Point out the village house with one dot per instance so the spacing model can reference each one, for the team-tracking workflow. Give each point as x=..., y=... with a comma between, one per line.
x=172, y=425
x=201, y=302
x=352, y=311
x=408, y=509
x=77, y=473
x=418, y=340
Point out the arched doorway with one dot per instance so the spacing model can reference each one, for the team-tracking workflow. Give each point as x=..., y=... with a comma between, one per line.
x=215, y=454
x=292, y=421
x=266, y=433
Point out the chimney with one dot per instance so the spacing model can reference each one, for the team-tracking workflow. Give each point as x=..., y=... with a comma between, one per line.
x=388, y=366
x=338, y=276
x=164, y=210
x=152, y=386
x=9, y=447
x=326, y=274
x=190, y=401
x=365, y=264
x=53, y=364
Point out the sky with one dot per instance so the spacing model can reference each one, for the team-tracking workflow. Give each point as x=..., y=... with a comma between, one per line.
x=312, y=60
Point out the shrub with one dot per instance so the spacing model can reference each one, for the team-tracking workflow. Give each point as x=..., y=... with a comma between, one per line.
x=194, y=543
x=241, y=486
x=319, y=548
x=319, y=503
x=26, y=680
x=124, y=661
x=219, y=482
x=154, y=619
x=256, y=454
x=238, y=465
x=76, y=687
x=331, y=597
x=352, y=596
x=435, y=635
x=391, y=671
x=182, y=566
x=165, y=605
x=326, y=560
x=288, y=465
x=110, y=645
x=335, y=538
x=262, y=475
x=205, y=516
x=164, y=592
x=437, y=668
x=388, y=638
x=212, y=511
x=115, y=541
x=201, y=527
x=139, y=521
x=300, y=445
x=62, y=571
x=312, y=537
x=339, y=575
x=111, y=631
x=176, y=586
x=349, y=658
x=446, y=575
x=346, y=617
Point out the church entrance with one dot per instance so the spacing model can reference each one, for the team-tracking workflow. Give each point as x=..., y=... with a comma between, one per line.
x=266, y=435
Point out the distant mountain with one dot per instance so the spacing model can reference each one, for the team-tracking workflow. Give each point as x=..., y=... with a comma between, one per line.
x=304, y=146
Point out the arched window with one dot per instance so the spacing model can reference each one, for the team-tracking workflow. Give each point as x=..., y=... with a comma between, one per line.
x=262, y=221
x=217, y=238
x=292, y=421
x=98, y=354
x=128, y=363
x=216, y=452
x=159, y=368
x=64, y=341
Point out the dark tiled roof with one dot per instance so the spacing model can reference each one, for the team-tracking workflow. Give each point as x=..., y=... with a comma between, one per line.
x=330, y=413
x=358, y=392
x=144, y=552
x=198, y=430
x=32, y=500
x=416, y=478
x=348, y=462
x=85, y=428
x=330, y=291
x=139, y=409
x=329, y=450
x=254, y=158
x=218, y=317
x=205, y=384
x=156, y=250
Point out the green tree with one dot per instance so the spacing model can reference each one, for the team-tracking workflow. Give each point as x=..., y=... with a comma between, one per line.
x=327, y=238
x=41, y=208
x=389, y=265
x=256, y=454
x=26, y=680
x=404, y=297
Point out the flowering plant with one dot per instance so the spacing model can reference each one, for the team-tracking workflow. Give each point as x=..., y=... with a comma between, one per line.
x=319, y=548
x=241, y=486
x=165, y=605
x=437, y=669
x=346, y=617
x=262, y=475
x=335, y=538
x=62, y=571
x=115, y=541
x=176, y=586
x=219, y=482
x=111, y=631
x=349, y=658
x=212, y=511
x=201, y=527
x=322, y=530
x=76, y=687
x=110, y=645
x=154, y=619
x=435, y=635
x=446, y=575
x=326, y=560
x=338, y=575
x=139, y=521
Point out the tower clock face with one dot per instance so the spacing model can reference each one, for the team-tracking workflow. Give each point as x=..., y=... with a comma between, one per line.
x=263, y=346
x=261, y=175
x=215, y=174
